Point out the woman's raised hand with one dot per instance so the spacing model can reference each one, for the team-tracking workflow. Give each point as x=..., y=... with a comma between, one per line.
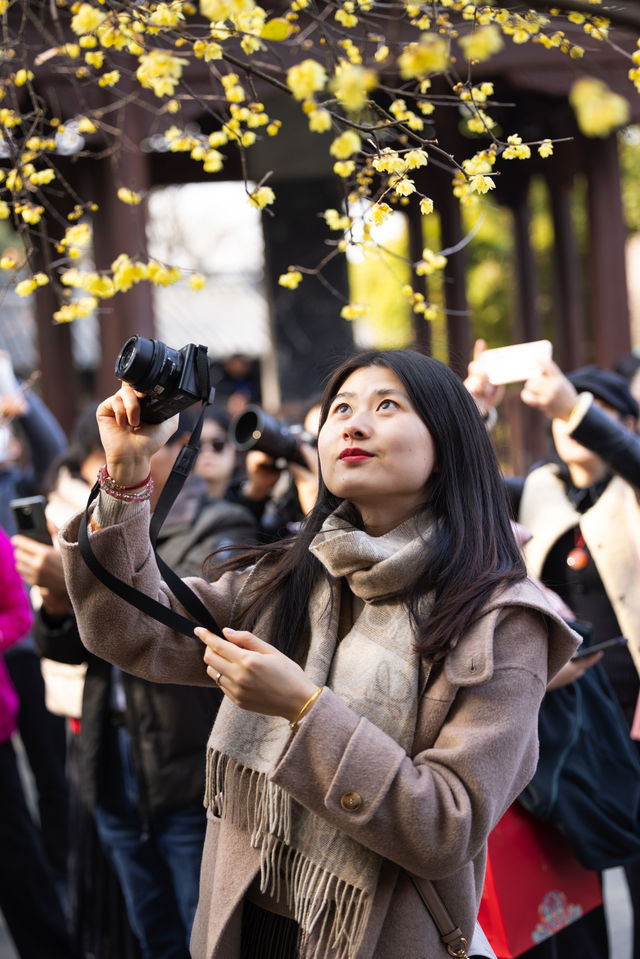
x=255, y=675
x=128, y=443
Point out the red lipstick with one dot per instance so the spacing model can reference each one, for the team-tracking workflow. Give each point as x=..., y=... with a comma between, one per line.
x=354, y=455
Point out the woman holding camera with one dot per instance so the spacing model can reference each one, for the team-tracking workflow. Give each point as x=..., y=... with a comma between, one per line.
x=382, y=672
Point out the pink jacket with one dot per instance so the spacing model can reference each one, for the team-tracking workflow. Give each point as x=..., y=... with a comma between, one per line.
x=16, y=619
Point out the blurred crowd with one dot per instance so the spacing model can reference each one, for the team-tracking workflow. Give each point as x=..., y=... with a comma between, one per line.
x=107, y=863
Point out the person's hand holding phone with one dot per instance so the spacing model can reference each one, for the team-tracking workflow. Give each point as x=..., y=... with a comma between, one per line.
x=40, y=565
x=487, y=395
x=551, y=392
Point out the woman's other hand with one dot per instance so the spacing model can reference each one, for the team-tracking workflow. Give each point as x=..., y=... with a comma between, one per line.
x=255, y=675
x=128, y=443
x=551, y=392
x=486, y=395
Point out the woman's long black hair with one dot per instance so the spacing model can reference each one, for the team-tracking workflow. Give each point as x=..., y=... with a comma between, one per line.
x=473, y=550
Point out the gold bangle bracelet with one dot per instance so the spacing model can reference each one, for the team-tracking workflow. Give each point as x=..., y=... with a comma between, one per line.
x=294, y=725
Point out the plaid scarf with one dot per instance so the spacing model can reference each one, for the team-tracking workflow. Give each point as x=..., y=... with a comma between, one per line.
x=327, y=878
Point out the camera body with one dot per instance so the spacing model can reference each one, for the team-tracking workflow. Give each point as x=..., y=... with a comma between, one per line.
x=169, y=379
x=253, y=429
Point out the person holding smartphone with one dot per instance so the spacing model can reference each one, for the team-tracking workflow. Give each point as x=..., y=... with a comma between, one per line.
x=582, y=509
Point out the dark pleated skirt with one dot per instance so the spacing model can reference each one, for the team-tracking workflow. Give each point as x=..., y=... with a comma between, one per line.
x=266, y=935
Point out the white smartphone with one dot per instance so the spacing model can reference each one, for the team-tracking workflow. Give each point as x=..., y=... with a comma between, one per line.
x=514, y=364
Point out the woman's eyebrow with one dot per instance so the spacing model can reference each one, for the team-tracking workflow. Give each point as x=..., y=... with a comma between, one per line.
x=382, y=391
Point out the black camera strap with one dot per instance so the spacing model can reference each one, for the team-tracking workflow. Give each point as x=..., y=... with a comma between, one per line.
x=179, y=472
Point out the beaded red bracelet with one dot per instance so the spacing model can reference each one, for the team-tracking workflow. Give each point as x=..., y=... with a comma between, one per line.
x=128, y=494
x=103, y=474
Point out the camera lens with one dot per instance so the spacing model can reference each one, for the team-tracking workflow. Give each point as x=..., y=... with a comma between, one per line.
x=140, y=362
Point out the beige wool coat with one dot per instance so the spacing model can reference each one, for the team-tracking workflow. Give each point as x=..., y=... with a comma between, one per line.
x=428, y=813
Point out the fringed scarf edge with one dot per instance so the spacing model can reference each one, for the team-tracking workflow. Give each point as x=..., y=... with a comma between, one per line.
x=317, y=898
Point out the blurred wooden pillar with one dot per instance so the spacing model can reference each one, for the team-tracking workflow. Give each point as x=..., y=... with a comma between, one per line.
x=58, y=384
x=310, y=336
x=608, y=299
x=121, y=228
x=527, y=325
x=568, y=305
x=459, y=337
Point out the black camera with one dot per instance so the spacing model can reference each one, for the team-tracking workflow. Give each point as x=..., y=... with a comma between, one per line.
x=171, y=380
x=253, y=429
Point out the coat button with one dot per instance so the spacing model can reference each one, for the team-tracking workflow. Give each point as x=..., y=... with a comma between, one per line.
x=351, y=801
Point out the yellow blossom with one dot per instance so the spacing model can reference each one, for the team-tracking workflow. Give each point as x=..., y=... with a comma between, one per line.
x=482, y=43
x=22, y=76
x=7, y=263
x=197, y=281
x=94, y=59
x=87, y=19
x=380, y=212
x=430, y=262
x=306, y=78
x=161, y=275
x=261, y=197
x=403, y=186
x=415, y=159
x=26, y=287
x=344, y=168
x=167, y=15
x=335, y=221
x=30, y=214
x=85, y=125
x=213, y=161
x=109, y=79
x=14, y=180
x=426, y=205
x=129, y=196
x=429, y=55
x=319, y=121
x=98, y=285
x=598, y=110
x=75, y=310
x=126, y=272
x=77, y=235
x=345, y=145
x=351, y=84
x=352, y=311
x=219, y=10
x=346, y=19
x=545, y=149
x=42, y=177
x=482, y=184
x=291, y=280
x=160, y=71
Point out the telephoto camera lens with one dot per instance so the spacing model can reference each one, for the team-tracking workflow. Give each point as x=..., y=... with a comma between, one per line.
x=255, y=429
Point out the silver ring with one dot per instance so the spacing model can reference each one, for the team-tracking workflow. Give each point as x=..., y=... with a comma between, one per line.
x=217, y=679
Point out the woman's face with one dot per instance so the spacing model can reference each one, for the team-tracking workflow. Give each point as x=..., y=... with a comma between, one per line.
x=374, y=449
x=216, y=459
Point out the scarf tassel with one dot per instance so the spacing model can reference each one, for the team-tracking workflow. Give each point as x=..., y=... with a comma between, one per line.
x=318, y=899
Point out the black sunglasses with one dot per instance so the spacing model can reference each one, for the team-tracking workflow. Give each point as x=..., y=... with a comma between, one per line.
x=217, y=444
